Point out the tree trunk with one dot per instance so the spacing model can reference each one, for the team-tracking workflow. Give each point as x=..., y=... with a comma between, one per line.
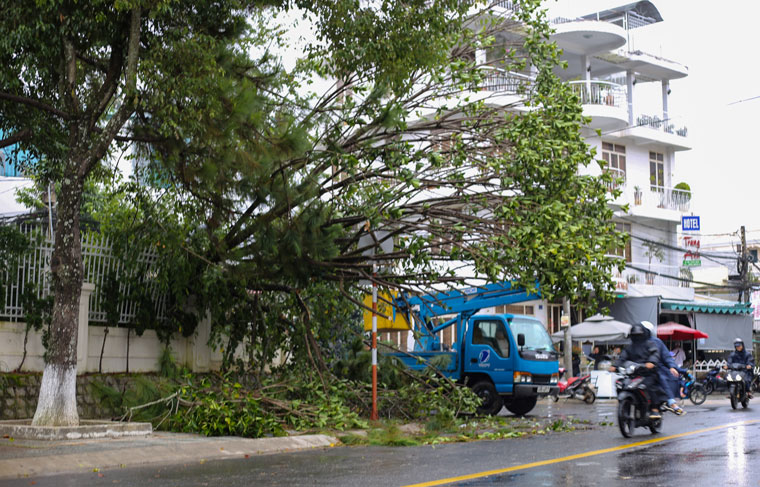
x=57, y=405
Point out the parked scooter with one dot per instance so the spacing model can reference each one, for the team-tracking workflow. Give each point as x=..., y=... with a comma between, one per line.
x=737, y=388
x=575, y=388
x=634, y=400
x=713, y=381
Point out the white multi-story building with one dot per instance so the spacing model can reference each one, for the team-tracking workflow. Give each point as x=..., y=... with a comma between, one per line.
x=626, y=92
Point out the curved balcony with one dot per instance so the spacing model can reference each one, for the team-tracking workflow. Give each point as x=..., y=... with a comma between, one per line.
x=584, y=37
x=501, y=81
x=605, y=102
x=618, y=176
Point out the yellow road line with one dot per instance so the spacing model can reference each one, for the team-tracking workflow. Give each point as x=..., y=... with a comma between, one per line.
x=525, y=466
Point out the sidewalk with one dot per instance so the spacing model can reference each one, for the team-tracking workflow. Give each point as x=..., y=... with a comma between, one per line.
x=22, y=458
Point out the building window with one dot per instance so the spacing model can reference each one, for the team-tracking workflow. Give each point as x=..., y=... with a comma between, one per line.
x=656, y=171
x=624, y=252
x=614, y=156
x=515, y=309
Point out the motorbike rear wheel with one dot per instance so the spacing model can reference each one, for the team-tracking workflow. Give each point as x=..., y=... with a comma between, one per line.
x=589, y=396
x=555, y=397
x=697, y=395
x=709, y=388
x=626, y=417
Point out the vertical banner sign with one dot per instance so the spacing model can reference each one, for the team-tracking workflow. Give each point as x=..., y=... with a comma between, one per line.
x=692, y=243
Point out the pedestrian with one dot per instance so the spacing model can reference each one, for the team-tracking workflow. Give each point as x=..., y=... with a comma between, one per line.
x=678, y=355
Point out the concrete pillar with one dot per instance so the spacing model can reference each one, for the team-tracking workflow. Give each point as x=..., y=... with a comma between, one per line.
x=665, y=94
x=200, y=352
x=629, y=94
x=83, y=331
x=586, y=65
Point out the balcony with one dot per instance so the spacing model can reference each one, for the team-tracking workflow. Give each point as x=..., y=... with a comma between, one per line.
x=654, y=123
x=650, y=128
x=500, y=81
x=671, y=198
x=605, y=102
x=618, y=178
x=587, y=36
x=654, y=274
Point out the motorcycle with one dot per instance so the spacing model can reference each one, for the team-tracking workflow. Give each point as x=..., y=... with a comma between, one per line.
x=634, y=400
x=737, y=388
x=713, y=381
x=692, y=389
x=575, y=388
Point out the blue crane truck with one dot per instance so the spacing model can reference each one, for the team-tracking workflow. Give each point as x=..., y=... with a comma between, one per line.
x=507, y=360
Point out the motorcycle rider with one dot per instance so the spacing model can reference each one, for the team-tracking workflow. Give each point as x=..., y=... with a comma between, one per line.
x=740, y=356
x=667, y=372
x=642, y=350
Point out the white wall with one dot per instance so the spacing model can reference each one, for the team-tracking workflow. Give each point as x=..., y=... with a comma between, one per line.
x=144, y=351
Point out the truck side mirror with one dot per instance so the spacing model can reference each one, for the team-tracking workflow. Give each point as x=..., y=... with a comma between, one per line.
x=520, y=340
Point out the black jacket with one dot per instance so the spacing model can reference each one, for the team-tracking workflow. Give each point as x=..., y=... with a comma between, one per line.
x=741, y=358
x=640, y=352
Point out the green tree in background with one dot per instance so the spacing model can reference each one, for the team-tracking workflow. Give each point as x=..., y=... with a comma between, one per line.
x=258, y=189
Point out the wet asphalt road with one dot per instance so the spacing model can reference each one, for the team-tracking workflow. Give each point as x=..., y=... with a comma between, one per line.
x=725, y=455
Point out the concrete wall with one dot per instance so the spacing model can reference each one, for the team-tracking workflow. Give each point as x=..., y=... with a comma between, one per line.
x=19, y=394
x=144, y=351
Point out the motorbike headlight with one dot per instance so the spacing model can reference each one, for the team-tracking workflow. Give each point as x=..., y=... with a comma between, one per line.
x=554, y=379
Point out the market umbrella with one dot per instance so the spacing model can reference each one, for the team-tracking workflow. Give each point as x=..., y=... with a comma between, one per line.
x=678, y=332
x=597, y=328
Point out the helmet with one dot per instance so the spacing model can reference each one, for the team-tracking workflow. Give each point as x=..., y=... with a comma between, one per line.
x=738, y=341
x=638, y=333
x=649, y=327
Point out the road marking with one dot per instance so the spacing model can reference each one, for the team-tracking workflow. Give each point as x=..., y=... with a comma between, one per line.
x=525, y=466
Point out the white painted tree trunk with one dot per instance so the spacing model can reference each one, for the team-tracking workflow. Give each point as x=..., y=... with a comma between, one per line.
x=57, y=405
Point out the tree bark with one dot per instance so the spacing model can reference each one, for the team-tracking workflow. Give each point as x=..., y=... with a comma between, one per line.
x=57, y=404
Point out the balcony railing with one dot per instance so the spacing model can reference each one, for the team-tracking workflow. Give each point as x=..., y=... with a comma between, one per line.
x=501, y=81
x=596, y=92
x=654, y=274
x=660, y=197
x=507, y=4
x=671, y=198
x=618, y=178
x=655, y=123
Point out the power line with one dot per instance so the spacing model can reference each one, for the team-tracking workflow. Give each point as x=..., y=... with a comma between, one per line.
x=679, y=278
x=742, y=101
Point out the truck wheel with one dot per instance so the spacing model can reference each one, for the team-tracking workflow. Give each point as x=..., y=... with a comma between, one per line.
x=491, y=401
x=521, y=406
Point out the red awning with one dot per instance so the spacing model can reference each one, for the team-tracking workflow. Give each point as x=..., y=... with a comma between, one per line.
x=675, y=331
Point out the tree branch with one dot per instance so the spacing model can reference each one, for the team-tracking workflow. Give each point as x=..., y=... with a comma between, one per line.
x=21, y=135
x=34, y=104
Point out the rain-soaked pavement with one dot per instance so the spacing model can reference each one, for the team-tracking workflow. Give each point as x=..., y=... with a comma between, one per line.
x=711, y=445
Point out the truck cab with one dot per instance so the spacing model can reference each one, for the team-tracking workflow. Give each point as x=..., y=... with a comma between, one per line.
x=509, y=360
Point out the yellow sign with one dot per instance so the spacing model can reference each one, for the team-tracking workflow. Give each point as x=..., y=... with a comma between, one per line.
x=564, y=321
x=395, y=321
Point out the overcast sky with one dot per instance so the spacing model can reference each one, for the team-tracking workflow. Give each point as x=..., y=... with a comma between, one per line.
x=718, y=41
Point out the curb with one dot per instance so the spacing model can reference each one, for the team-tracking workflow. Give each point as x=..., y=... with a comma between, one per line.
x=93, y=455
x=87, y=429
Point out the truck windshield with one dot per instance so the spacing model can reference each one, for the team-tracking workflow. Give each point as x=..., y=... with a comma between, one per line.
x=536, y=337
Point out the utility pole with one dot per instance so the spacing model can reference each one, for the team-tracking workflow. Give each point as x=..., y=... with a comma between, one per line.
x=568, y=341
x=743, y=269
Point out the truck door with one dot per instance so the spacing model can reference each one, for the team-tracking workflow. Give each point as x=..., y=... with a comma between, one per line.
x=491, y=352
